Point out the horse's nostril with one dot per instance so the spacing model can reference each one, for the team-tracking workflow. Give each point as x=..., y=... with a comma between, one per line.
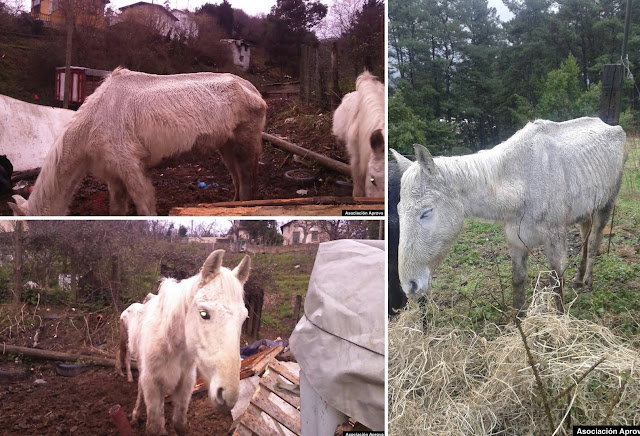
x=219, y=396
x=414, y=286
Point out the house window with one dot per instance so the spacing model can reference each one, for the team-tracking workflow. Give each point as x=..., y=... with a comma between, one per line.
x=314, y=236
x=296, y=238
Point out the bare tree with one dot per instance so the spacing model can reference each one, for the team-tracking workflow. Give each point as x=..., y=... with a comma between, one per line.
x=18, y=252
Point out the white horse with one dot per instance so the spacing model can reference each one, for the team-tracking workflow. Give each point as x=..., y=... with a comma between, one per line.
x=130, y=324
x=134, y=120
x=192, y=323
x=546, y=177
x=359, y=124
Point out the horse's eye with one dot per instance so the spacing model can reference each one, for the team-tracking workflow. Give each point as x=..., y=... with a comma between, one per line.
x=373, y=180
x=204, y=314
x=426, y=213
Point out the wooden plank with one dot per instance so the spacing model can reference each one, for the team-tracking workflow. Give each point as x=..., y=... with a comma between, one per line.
x=257, y=363
x=261, y=400
x=257, y=425
x=327, y=199
x=269, y=380
x=294, y=210
x=284, y=371
x=242, y=430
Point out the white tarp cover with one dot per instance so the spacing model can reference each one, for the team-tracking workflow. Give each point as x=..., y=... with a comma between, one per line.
x=27, y=131
x=346, y=299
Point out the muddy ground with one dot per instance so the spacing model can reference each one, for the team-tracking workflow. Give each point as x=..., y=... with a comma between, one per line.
x=77, y=405
x=177, y=179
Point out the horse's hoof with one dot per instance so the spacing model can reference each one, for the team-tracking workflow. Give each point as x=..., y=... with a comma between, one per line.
x=181, y=429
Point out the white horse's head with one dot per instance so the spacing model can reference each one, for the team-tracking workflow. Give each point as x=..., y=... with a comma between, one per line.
x=213, y=326
x=20, y=207
x=375, y=180
x=430, y=215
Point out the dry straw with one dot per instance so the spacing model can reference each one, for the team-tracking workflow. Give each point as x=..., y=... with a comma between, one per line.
x=454, y=381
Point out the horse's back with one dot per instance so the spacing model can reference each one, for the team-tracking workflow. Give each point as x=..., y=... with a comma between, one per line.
x=577, y=163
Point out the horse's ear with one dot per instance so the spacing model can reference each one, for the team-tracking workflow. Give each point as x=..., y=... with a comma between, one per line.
x=403, y=162
x=212, y=265
x=424, y=159
x=377, y=141
x=242, y=270
x=20, y=206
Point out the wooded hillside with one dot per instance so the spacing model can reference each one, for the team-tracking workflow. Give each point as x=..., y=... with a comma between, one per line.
x=459, y=77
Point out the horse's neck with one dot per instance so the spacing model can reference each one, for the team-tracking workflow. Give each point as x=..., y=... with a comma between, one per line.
x=61, y=172
x=483, y=184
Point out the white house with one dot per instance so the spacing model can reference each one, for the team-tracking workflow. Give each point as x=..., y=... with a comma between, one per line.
x=302, y=232
x=240, y=51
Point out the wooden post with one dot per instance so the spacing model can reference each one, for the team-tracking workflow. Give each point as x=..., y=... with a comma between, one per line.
x=335, y=92
x=296, y=309
x=610, y=97
x=304, y=73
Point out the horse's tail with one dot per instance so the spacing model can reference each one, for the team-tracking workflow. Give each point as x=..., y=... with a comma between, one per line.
x=121, y=354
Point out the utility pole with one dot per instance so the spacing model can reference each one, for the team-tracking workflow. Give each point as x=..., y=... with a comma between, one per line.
x=612, y=79
x=70, y=18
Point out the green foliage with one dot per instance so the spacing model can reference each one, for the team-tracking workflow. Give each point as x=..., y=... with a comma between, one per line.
x=405, y=128
x=558, y=94
x=630, y=120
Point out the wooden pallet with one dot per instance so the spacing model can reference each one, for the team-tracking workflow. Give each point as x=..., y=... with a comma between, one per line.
x=251, y=422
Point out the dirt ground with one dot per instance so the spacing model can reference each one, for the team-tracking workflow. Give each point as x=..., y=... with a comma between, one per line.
x=177, y=179
x=77, y=405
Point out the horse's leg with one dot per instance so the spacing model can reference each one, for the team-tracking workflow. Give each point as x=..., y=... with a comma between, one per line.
x=180, y=399
x=585, y=232
x=139, y=187
x=137, y=410
x=519, y=256
x=600, y=219
x=229, y=160
x=128, y=359
x=118, y=197
x=356, y=174
x=242, y=157
x=154, y=399
x=556, y=252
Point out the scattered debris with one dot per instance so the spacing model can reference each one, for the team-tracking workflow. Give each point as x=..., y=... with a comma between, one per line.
x=70, y=370
x=302, y=192
x=39, y=381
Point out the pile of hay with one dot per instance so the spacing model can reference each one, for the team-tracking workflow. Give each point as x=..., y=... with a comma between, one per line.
x=451, y=381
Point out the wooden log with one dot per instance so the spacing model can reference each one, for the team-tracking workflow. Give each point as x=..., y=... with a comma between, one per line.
x=26, y=174
x=57, y=355
x=340, y=167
